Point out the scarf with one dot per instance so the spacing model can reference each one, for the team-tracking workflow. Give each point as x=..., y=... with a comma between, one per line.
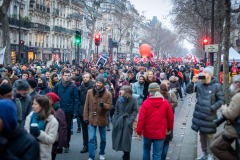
x=122, y=99
x=36, y=119
x=65, y=84
x=98, y=92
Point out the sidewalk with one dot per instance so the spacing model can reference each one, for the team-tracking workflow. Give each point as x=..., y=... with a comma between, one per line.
x=184, y=143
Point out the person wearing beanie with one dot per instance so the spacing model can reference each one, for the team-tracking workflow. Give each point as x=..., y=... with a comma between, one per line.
x=15, y=142
x=209, y=98
x=98, y=103
x=172, y=99
x=6, y=92
x=32, y=85
x=21, y=93
x=154, y=109
x=62, y=130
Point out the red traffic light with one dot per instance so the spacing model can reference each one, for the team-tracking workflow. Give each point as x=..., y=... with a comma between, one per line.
x=205, y=41
x=97, y=39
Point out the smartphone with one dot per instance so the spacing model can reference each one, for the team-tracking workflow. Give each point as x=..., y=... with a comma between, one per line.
x=202, y=77
x=101, y=104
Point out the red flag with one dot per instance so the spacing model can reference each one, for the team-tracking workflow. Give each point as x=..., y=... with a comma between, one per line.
x=195, y=60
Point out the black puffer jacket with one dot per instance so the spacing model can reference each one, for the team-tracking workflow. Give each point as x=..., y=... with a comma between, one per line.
x=209, y=97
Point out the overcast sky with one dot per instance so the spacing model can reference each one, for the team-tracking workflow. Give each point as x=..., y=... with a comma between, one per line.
x=159, y=8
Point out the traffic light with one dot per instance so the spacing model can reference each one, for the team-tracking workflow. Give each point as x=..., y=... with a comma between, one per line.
x=78, y=37
x=21, y=42
x=205, y=41
x=97, y=39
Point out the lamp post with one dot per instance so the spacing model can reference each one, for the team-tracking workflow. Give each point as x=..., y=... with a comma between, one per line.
x=212, y=32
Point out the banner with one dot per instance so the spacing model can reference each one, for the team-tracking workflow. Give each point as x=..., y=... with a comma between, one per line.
x=101, y=61
x=2, y=52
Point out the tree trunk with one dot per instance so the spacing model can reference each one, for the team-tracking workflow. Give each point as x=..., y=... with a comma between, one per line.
x=220, y=19
x=226, y=48
x=91, y=40
x=5, y=30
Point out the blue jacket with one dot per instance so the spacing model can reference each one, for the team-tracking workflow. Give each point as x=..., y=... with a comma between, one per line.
x=138, y=92
x=68, y=97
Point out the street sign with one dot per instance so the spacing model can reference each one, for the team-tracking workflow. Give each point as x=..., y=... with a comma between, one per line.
x=211, y=48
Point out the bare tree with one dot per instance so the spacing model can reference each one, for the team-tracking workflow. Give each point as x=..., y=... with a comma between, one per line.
x=5, y=29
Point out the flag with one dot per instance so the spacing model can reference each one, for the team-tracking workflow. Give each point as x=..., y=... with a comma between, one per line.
x=195, y=60
x=2, y=52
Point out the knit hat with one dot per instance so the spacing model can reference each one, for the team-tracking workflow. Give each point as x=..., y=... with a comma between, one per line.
x=100, y=78
x=105, y=74
x=32, y=83
x=153, y=87
x=209, y=70
x=8, y=114
x=21, y=85
x=5, y=88
x=54, y=97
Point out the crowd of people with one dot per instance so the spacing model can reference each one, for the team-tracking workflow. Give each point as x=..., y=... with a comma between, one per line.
x=38, y=104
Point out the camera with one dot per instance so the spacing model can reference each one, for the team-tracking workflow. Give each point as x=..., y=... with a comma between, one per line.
x=201, y=77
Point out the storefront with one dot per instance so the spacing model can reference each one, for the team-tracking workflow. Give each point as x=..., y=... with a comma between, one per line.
x=46, y=54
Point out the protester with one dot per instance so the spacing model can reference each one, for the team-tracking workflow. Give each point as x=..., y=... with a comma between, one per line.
x=210, y=97
x=126, y=110
x=172, y=99
x=222, y=145
x=98, y=102
x=155, y=121
x=61, y=140
x=32, y=91
x=150, y=77
x=42, y=86
x=68, y=94
x=10, y=74
x=22, y=88
x=82, y=90
x=15, y=142
x=42, y=124
x=6, y=92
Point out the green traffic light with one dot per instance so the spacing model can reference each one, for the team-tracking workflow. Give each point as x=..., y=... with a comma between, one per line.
x=77, y=40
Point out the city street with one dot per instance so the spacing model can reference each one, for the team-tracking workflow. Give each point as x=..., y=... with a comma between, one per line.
x=183, y=146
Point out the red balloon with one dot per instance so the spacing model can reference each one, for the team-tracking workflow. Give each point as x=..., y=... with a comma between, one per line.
x=144, y=50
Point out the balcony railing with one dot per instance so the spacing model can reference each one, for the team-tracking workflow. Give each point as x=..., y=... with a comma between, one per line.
x=62, y=30
x=16, y=22
x=40, y=27
x=42, y=8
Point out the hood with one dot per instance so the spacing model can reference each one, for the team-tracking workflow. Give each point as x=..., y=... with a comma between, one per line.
x=155, y=102
x=214, y=80
x=44, y=81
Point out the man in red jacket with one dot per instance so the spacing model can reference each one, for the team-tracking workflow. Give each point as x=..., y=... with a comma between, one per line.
x=155, y=121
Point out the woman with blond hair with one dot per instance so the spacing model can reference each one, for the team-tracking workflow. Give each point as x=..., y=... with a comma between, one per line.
x=150, y=78
x=42, y=124
x=126, y=110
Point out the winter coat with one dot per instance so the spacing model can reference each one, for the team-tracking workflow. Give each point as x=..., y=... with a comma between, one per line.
x=82, y=91
x=26, y=103
x=231, y=113
x=155, y=118
x=124, y=116
x=209, y=98
x=174, y=83
x=145, y=90
x=118, y=87
x=138, y=92
x=96, y=115
x=18, y=145
x=43, y=89
x=33, y=94
x=68, y=97
x=46, y=137
x=62, y=130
